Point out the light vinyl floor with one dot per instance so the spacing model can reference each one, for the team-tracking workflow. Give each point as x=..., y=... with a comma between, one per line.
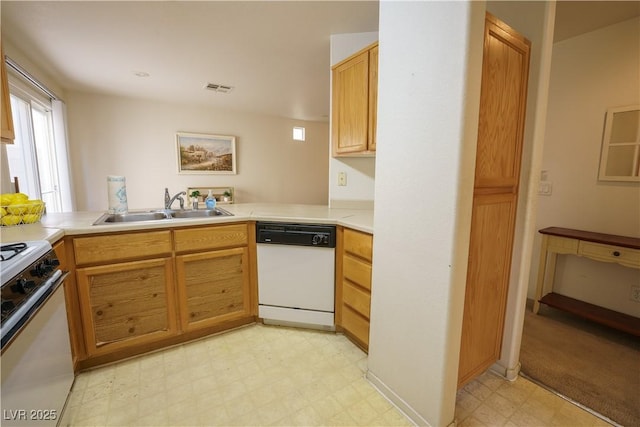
x=267, y=375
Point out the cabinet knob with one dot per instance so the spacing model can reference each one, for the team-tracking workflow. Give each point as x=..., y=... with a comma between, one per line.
x=616, y=253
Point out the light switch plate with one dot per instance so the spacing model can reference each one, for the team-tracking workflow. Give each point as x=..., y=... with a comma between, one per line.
x=545, y=188
x=342, y=179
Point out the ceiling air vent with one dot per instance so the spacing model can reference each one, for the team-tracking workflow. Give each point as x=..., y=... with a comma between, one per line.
x=219, y=88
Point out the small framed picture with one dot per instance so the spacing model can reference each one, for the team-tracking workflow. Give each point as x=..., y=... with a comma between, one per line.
x=206, y=154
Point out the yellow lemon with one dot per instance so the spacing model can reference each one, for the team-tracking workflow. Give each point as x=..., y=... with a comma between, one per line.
x=17, y=208
x=10, y=220
x=30, y=218
x=6, y=199
x=35, y=206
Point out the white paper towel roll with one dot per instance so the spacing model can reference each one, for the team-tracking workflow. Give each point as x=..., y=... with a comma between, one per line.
x=117, y=192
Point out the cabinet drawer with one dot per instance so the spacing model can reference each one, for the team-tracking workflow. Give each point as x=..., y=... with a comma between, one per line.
x=356, y=271
x=359, y=244
x=357, y=299
x=224, y=236
x=608, y=253
x=357, y=325
x=121, y=247
x=563, y=245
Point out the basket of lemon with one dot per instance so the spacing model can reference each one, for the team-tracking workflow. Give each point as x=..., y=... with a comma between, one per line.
x=17, y=209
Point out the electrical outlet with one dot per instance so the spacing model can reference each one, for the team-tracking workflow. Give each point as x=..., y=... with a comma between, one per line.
x=342, y=179
x=635, y=293
x=545, y=188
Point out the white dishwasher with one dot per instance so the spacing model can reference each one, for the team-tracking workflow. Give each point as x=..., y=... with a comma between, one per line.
x=296, y=274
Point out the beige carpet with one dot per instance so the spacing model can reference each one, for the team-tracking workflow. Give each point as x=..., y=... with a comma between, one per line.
x=591, y=364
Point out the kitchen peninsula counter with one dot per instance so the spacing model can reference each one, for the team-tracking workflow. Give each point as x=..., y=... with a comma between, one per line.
x=54, y=226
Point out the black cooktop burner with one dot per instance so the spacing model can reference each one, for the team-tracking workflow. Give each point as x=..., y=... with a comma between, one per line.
x=11, y=250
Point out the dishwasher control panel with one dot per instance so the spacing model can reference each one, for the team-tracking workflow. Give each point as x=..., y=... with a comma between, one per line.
x=279, y=233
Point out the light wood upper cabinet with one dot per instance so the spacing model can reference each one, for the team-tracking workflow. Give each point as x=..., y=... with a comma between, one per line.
x=354, y=104
x=7, y=120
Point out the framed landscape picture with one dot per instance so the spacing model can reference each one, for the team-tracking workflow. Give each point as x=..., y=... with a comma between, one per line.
x=206, y=154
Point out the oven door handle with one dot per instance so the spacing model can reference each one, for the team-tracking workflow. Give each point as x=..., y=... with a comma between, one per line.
x=59, y=280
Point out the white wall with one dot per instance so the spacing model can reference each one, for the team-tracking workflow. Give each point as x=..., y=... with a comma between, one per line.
x=360, y=171
x=589, y=74
x=137, y=138
x=421, y=241
x=429, y=90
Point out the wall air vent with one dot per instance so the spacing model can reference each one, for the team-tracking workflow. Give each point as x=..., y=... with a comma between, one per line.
x=219, y=88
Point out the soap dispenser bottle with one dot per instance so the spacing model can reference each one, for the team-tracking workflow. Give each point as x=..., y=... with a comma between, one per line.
x=210, y=201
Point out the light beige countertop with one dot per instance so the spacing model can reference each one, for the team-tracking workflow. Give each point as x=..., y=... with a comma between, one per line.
x=53, y=226
x=27, y=232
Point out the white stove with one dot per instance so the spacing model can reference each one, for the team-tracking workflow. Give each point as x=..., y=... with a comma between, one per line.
x=29, y=275
x=37, y=366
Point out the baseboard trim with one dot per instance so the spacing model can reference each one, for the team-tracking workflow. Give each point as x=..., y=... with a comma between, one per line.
x=396, y=400
x=510, y=374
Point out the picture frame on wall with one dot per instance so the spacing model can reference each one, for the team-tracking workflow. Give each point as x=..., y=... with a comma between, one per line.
x=206, y=154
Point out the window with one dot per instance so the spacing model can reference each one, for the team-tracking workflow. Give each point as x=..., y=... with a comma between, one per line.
x=38, y=157
x=620, y=158
x=298, y=133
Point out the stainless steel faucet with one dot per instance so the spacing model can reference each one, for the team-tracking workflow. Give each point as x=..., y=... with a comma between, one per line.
x=168, y=200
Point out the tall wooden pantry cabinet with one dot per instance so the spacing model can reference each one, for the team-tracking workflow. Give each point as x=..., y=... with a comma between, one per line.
x=505, y=71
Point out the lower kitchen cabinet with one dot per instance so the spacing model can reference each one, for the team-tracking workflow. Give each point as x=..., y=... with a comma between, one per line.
x=353, y=303
x=213, y=287
x=134, y=292
x=126, y=304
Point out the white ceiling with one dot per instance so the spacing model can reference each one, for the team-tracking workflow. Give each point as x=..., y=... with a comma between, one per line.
x=275, y=54
x=578, y=17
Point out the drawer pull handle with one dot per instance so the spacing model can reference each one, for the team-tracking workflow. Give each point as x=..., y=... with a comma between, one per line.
x=616, y=253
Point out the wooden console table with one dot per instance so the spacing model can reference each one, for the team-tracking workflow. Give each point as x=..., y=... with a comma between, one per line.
x=597, y=246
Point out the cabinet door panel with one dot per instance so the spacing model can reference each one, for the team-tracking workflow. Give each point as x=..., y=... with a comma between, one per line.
x=487, y=282
x=126, y=304
x=213, y=287
x=350, y=97
x=505, y=71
